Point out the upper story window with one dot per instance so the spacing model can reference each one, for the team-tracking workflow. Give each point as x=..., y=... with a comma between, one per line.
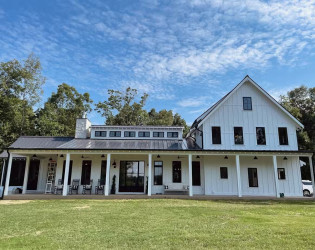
x=115, y=134
x=100, y=133
x=172, y=134
x=283, y=136
x=247, y=103
x=129, y=134
x=158, y=134
x=143, y=134
x=261, y=136
x=238, y=135
x=216, y=135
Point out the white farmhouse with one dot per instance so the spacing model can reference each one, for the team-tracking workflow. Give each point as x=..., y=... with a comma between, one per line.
x=244, y=145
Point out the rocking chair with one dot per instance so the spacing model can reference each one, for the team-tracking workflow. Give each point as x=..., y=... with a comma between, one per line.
x=99, y=187
x=75, y=186
x=87, y=188
x=59, y=187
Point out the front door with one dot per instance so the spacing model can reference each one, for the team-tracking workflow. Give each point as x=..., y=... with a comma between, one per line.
x=131, y=176
x=33, y=175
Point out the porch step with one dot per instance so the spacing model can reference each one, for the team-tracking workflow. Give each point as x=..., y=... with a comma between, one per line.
x=176, y=192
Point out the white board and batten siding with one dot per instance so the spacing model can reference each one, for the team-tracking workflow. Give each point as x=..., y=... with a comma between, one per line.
x=264, y=113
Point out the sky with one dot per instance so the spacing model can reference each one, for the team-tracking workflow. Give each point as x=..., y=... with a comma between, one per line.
x=185, y=54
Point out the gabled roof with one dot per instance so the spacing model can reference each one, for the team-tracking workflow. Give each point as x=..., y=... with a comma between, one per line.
x=199, y=120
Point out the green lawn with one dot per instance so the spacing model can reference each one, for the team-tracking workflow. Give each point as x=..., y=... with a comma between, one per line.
x=157, y=223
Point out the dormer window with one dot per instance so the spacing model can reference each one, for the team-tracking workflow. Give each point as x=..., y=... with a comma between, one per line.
x=130, y=134
x=143, y=134
x=115, y=134
x=172, y=134
x=247, y=103
x=100, y=133
x=158, y=134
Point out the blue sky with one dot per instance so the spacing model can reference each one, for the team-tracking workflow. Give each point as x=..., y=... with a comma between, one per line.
x=184, y=54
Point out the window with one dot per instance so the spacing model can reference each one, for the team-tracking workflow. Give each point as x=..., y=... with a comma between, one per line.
x=281, y=173
x=143, y=134
x=196, y=173
x=115, y=134
x=100, y=133
x=172, y=134
x=130, y=134
x=216, y=135
x=283, y=136
x=247, y=103
x=238, y=135
x=86, y=172
x=224, y=172
x=103, y=172
x=177, y=171
x=131, y=176
x=158, y=134
x=158, y=173
x=252, y=177
x=17, y=172
x=70, y=172
x=260, y=136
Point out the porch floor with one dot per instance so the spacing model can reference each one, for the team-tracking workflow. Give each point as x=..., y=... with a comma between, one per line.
x=142, y=196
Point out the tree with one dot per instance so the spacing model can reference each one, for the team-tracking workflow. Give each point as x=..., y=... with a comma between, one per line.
x=300, y=102
x=59, y=114
x=122, y=108
x=20, y=88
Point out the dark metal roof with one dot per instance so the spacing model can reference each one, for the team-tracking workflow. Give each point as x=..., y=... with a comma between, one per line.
x=40, y=142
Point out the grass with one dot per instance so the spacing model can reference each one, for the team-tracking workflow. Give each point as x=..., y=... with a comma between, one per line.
x=157, y=223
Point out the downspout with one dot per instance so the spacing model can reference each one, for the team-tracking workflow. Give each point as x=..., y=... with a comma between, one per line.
x=4, y=176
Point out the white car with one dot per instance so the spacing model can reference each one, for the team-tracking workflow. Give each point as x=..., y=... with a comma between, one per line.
x=307, y=188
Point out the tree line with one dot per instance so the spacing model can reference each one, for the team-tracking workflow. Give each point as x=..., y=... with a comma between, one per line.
x=21, y=87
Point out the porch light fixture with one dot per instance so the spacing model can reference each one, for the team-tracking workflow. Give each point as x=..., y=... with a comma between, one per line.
x=82, y=157
x=61, y=155
x=197, y=157
x=255, y=158
x=34, y=156
x=226, y=157
x=114, y=164
x=50, y=159
x=158, y=156
x=285, y=158
x=103, y=156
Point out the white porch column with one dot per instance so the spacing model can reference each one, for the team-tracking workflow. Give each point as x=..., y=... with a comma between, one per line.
x=27, y=168
x=2, y=172
x=190, y=174
x=312, y=174
x=66, y=176
x=275, y=170
x=7, y=180
x=107, y=175
x=150, y=175
x=238, y=173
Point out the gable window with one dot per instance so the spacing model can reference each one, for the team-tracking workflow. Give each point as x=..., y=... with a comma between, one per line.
x=172, y=134
x=100, y=133
x=260, y=136
x=247, y=103
x=158, y=173
x=224, y=172
x=70, y=172
x=86, y=172
x=158, y=134
x=130, y=134
x=103, y=172
x=238, y=135
x=281, y=173
x=115, y=134
x=216, y=135
x=177, y=171
x=196, y=180
x=143, y=134
x=283, y=136
x=252, y=177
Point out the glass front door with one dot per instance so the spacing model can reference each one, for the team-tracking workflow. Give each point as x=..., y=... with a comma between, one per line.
x=131, y=176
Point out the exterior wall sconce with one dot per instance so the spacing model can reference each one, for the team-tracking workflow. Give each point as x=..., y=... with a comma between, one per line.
x=114, y=164
x=285, y=158
x=103, y=156
x=226, y=157
x=255, y=158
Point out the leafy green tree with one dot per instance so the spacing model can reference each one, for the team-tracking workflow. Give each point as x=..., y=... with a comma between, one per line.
x=301, y=103
x=59, y=114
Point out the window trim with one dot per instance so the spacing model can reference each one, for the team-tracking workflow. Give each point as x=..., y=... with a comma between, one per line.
x=129, y=132
x=251, y=103
x=158, y=132
x=115, y=132
x=287, y=136
x=157, y=166
x=285, y=177
x=227, y=173
x=219, y=135
x=100, y=133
